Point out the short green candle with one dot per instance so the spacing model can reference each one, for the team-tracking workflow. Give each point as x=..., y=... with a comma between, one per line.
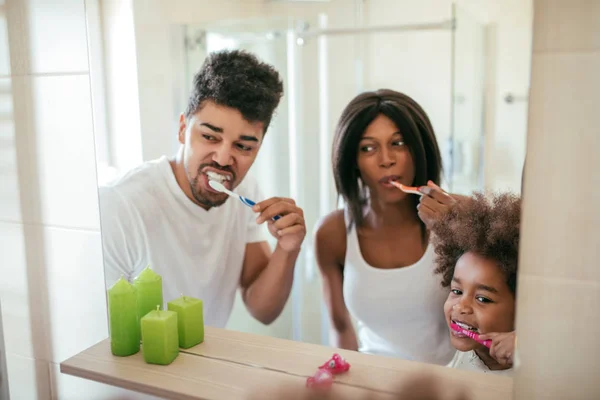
x=123, y=320
x=160, y=342
x=190, y=320
x=149, y=291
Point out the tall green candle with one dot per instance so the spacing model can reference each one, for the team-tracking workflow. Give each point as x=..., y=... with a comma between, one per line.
x=160, y=342
x=149, y=291
x=190, y=320
x=123, y=320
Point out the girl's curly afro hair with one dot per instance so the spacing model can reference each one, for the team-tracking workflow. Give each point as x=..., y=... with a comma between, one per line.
x=485, y=225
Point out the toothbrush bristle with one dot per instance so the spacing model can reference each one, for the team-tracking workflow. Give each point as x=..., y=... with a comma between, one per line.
x=218, y=186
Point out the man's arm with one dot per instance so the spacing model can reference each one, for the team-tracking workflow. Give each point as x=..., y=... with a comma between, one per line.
x=267, y=276
x=266, y=280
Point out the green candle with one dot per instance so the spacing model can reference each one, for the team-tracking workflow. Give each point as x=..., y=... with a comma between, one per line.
x=190, y=320
x=123, y=320
x=149, y=291
x=160, y=342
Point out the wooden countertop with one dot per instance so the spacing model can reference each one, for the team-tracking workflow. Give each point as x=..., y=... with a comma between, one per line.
x=236, y=365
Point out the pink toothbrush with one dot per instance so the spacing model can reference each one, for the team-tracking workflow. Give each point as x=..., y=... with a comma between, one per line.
x=407, y=189
x=472, y=335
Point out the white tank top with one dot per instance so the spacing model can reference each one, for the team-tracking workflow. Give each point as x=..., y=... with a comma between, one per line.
x=399, y=312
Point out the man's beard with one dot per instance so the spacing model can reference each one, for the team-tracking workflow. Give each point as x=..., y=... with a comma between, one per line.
x=203, y=197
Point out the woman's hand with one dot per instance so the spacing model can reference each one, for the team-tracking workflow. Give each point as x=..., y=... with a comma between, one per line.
x=434, y=203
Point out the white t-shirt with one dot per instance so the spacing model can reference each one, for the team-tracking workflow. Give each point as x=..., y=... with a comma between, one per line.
x=146, y=218
x=470, y=361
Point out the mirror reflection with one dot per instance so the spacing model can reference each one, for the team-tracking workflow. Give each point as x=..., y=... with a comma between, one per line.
x=307, y=169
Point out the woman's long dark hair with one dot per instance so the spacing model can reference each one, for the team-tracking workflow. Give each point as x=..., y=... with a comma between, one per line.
x=417, y=132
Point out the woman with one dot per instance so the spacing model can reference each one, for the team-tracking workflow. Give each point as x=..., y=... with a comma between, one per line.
x=375, y=255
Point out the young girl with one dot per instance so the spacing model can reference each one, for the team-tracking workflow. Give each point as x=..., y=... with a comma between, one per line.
x=375, y=256
x=477, y=247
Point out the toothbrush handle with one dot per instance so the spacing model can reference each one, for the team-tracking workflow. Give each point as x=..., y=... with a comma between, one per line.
x=475, y=337
x=472, y=335
x=246, y=201
x=250, y=203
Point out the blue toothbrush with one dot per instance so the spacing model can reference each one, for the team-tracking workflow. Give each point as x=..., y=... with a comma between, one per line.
x=218, y=186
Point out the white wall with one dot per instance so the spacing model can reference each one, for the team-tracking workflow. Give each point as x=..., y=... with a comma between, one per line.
x=508, y=44
x=120, y=67
x=52, y=286
x=3, y=372
x=506, y=136
x=560, y=236
x=417, y=63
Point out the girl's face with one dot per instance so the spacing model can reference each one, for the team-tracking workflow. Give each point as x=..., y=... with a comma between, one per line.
x=383, y=157
x=479, y=300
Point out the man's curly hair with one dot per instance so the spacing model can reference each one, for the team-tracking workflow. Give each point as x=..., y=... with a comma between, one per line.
x=485, y=225
x=237, y=79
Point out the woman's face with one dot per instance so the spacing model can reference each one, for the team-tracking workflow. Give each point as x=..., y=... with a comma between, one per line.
x=383, y=157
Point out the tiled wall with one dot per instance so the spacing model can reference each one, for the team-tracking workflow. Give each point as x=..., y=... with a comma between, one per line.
x=3, y=372
x=558, y=322
x=51, y=285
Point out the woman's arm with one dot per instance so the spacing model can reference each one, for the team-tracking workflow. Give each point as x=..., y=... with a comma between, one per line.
x=330, y=249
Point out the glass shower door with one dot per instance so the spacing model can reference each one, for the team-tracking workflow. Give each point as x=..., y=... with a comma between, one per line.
x=465, y=172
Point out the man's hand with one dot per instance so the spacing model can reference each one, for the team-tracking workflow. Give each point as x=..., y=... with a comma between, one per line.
x=503, y=346
x=290, y=228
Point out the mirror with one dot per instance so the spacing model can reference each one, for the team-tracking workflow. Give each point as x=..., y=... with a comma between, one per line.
x=465, y=64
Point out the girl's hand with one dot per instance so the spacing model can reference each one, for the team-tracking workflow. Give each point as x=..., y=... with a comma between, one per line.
x=503, y=346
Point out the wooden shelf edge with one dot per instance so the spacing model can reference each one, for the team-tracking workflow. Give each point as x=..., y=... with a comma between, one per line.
x=67, y=369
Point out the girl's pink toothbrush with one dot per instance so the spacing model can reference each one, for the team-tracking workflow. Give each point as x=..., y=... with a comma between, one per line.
x=472, y=335
x=407, y=189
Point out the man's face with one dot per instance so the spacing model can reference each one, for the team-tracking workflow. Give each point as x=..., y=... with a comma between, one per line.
x=218, y=142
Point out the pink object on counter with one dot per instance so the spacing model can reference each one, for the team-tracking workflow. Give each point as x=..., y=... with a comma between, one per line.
x=336, y=364
x=322, y=379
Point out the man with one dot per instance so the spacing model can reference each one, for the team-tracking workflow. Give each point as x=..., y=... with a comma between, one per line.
x=165, y=214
